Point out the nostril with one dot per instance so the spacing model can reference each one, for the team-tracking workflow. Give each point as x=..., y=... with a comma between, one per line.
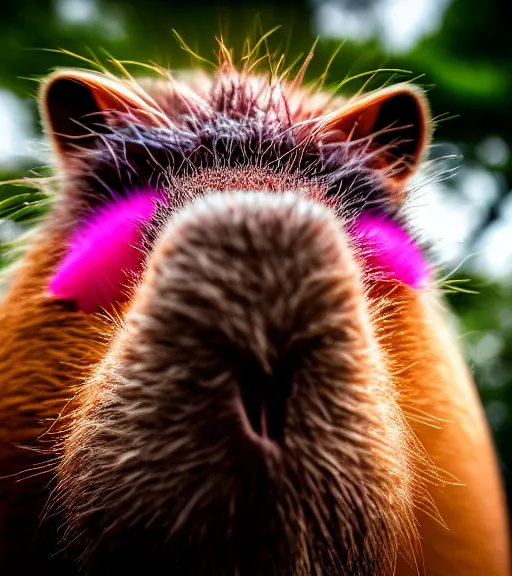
x=264, y=397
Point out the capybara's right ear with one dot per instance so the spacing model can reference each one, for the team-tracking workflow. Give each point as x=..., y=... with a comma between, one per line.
x=396, y=124
x=77, y=107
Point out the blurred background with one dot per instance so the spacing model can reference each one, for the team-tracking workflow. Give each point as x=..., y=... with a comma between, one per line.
x=458, y=50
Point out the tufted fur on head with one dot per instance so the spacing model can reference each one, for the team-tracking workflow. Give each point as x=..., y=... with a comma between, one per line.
x=225, y=353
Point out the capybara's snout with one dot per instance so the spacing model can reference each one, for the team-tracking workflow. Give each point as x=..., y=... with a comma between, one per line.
x=245, y=378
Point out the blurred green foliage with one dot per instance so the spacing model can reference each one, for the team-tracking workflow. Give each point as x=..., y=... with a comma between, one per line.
x=467, y=64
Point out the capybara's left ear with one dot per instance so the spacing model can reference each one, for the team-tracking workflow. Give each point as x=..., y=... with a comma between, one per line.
x=394, y=121
x=76, y=106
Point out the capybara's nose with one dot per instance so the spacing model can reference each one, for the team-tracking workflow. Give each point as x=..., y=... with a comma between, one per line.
x=254, y=279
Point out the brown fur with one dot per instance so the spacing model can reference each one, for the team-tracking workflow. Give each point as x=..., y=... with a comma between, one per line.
x=127, y=429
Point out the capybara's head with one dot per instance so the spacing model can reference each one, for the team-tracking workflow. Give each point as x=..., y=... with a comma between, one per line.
x=224, y=352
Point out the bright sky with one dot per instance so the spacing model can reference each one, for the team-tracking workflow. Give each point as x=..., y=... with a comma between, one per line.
x=15, y=130
x=398, y=23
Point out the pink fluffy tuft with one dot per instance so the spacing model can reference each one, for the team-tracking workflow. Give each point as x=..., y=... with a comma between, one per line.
x=389, y=252
x=104, y=252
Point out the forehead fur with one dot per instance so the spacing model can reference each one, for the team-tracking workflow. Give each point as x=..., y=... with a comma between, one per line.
x=154, y=129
